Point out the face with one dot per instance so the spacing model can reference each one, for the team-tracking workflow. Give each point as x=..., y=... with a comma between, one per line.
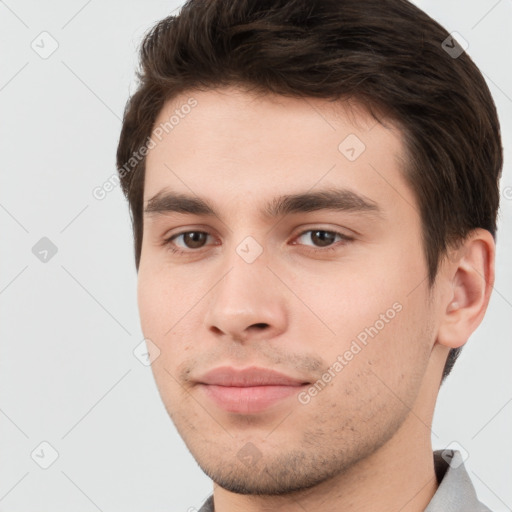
x=282, y=285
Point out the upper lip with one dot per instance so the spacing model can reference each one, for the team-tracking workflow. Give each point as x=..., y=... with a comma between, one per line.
x=247, y=377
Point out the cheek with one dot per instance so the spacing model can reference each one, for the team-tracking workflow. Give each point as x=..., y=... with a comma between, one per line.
x=347, y=301
x=166, y=309
x=374, y=316
x=162, y=298
x=156, y=306
x=149, y=303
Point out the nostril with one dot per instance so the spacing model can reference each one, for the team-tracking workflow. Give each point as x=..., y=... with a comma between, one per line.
x=260, y=325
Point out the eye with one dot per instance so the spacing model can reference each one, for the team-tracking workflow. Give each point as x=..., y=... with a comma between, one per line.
x=191, y=239
x=323, y=238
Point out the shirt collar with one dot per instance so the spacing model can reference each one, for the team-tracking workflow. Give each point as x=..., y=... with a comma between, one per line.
x=455, y=492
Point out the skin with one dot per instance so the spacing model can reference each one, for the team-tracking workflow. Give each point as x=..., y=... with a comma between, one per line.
x=365, y=438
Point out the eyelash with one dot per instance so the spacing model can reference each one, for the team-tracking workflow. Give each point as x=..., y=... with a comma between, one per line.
x=168, y=242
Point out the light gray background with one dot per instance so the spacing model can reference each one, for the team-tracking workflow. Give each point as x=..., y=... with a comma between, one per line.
x=68, y=327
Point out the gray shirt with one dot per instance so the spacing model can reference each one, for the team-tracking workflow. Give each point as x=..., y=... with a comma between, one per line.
x=454, y=494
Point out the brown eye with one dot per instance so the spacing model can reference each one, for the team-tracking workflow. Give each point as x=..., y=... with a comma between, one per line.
x=194, y=239
x=190, y=240
x=321, y=237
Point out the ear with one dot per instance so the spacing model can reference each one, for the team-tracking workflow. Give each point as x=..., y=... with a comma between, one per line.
x=469, y=278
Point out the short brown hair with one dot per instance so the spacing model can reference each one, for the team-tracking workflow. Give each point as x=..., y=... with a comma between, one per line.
x=387, y=54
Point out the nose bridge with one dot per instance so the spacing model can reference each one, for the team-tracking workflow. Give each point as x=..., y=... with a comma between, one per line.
x=246, y=295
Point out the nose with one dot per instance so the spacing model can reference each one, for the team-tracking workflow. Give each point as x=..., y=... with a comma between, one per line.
x=248, y=303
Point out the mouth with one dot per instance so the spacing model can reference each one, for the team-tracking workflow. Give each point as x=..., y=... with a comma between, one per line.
x=250, y=390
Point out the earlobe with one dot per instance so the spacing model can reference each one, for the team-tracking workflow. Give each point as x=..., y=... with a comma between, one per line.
x=471, y=277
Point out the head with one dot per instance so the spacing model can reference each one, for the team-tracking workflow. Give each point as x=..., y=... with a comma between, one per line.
x=243, y=103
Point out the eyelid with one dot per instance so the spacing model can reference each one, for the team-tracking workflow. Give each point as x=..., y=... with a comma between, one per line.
x=343, y=232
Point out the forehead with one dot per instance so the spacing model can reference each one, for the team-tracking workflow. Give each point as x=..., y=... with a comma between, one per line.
x=237, y=146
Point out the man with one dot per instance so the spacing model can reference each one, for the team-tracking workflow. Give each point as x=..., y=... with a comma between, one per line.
x=313, y=188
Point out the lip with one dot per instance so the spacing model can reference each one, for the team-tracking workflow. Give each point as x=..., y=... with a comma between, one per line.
x=248, y=377
x=249, y=390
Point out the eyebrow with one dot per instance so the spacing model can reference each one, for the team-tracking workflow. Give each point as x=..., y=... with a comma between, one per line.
x=329, y=199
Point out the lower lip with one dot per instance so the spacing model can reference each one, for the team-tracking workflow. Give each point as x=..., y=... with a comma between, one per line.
x=247, y=400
